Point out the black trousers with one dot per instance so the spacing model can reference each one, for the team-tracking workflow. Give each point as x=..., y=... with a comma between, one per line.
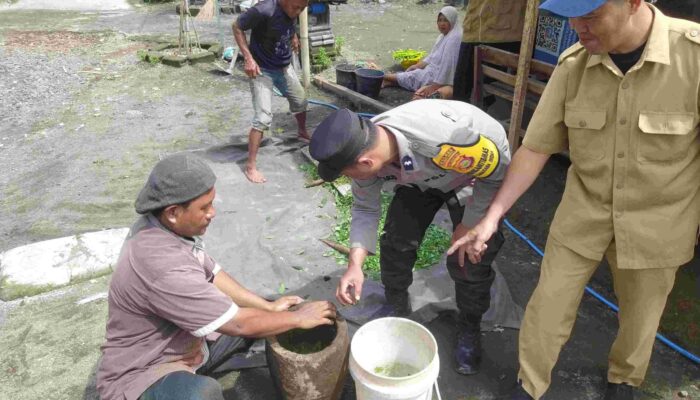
x=464, y=74
x=409, y=215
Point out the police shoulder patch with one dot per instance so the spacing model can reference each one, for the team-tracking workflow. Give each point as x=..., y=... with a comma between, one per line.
x=479, y=159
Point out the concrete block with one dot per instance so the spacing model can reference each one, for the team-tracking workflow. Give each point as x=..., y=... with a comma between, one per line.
x=175, y=61
x=165, y=46
x=216, y=49
x=201, y=58
x=42, y=266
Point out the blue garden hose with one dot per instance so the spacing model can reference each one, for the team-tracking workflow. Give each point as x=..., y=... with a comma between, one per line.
x=692, y=357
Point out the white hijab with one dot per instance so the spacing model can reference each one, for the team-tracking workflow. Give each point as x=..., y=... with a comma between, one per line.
x=445, y=51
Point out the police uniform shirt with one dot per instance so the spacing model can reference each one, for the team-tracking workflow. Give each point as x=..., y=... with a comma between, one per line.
x=442, y=144
x=634, y=147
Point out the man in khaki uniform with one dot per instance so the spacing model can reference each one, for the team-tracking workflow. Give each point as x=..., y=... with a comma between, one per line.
x=625, y=102
x=498, y=23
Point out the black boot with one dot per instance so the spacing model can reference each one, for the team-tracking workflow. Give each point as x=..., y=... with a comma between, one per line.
x=398, y=304
x=468, y=350
x=619, y=391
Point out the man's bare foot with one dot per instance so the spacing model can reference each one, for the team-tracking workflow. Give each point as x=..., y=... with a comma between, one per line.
x=304, y=137
x=254, y=175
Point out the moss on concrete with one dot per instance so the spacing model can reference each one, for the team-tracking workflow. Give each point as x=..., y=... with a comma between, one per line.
x=10, y=291
x=51, y=347
x=13, y=291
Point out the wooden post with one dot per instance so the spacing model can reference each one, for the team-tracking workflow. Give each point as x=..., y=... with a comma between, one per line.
x=304, y=41
x=526, y=48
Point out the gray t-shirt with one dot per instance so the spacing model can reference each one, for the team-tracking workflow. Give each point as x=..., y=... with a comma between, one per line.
x=162, y=304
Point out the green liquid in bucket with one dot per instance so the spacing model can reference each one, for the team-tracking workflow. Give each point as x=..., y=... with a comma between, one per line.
x=396, y=370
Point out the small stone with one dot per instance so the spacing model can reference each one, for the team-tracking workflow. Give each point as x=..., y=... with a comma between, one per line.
x=683, y=394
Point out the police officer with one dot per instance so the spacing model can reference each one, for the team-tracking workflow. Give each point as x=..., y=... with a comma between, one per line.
x=434, y=150
x=624, y=101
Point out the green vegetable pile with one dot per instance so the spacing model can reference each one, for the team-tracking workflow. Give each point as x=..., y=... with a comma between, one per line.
x=407, y=54
x=435, y=242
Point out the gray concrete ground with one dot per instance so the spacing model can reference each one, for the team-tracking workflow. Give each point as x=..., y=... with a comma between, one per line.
x=64, y=5
x=82, y=122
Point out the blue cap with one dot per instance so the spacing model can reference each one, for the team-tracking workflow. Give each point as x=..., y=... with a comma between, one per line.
x=339, y=140
x=572, y=8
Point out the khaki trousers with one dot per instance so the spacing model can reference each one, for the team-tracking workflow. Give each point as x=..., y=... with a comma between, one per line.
x=551, y=312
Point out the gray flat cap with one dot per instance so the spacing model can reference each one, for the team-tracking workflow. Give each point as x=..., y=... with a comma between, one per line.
x=175, y=179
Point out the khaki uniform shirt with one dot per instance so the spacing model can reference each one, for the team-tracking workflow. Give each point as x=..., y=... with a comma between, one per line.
x=634, y=146
x=445, y=145
x=494, y=21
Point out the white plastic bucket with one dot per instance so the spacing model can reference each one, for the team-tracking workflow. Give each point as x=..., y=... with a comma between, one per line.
x=394, y=358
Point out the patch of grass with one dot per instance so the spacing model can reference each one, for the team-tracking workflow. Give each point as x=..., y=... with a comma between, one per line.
x=148, y=82
x=339, y=42
x=123, y=179
x=322, y=59
x=87, y=114
x=220, y=126
x=15, y=201
x=30, y=20
x=435, y=242
x=93, y=216
x=44, y=229
x=12, y=291
x=51, y=347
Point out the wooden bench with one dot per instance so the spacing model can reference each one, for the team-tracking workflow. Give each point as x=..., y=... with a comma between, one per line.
x=486, y=61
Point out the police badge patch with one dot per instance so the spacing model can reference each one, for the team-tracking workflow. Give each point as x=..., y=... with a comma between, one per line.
x=479, y=159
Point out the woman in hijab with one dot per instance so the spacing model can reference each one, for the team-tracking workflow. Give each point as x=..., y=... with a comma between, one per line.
x=435, y=73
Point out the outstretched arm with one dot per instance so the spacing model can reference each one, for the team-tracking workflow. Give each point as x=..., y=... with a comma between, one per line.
x=245, y=298
x=251, y=322
x=522, y=172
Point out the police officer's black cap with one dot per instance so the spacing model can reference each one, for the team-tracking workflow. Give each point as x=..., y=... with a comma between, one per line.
x=339, y=140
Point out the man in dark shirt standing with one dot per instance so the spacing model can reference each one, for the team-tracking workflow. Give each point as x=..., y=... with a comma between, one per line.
x=267, y=58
